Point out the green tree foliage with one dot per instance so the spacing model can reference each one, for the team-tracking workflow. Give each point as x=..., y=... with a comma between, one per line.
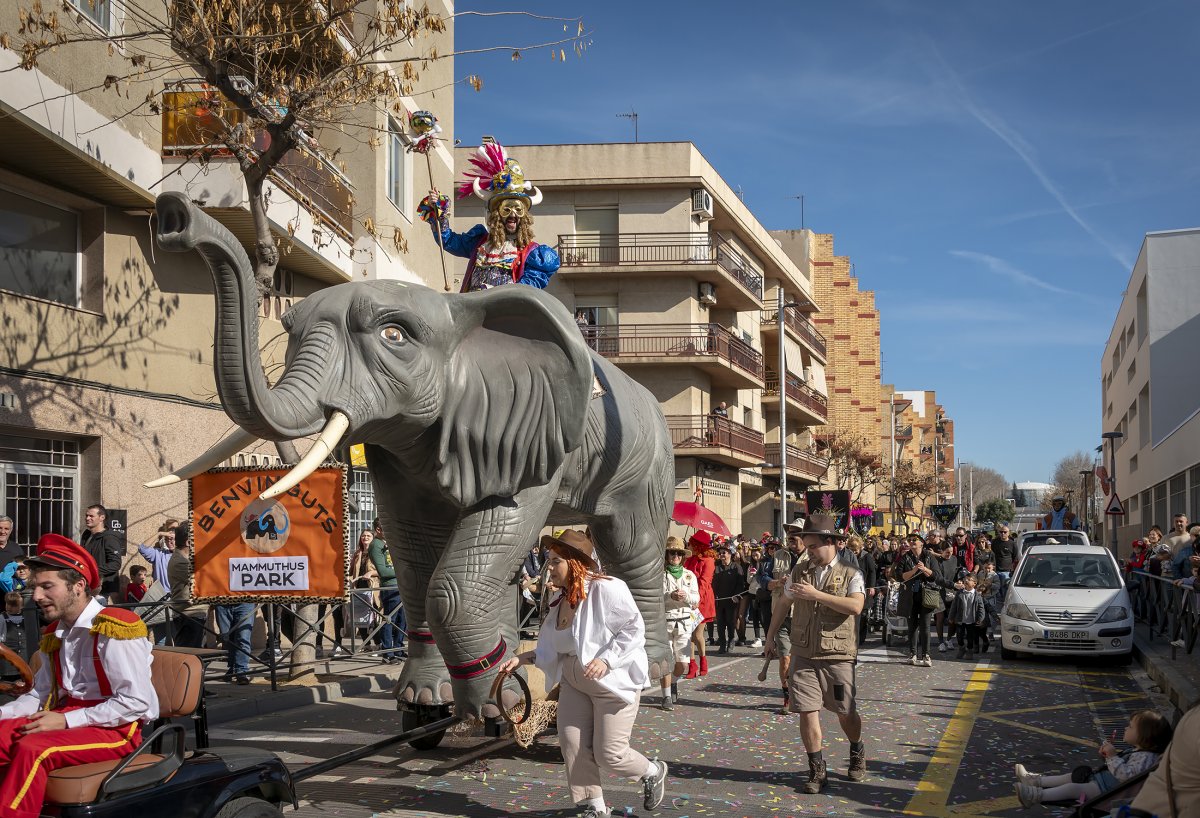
x=994, y=511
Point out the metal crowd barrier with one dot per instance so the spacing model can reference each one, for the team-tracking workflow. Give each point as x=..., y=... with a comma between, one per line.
x=359, y=644
x=1168, y=611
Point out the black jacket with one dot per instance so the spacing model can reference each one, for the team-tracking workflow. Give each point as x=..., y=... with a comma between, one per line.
x=870, y=572
x=728, y=581
x=106, y=549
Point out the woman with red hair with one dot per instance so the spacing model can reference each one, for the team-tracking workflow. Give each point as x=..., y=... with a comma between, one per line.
x=594, y=647
x=702, y=563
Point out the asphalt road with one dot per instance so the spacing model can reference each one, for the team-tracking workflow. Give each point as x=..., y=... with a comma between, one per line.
x=941, y=741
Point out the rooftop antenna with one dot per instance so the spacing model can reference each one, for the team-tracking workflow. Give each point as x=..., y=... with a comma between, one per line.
x=741, y=194
x=801, y=198
x=634, y=116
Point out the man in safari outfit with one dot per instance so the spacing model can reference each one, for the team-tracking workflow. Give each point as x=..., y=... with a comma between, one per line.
x=825, y=596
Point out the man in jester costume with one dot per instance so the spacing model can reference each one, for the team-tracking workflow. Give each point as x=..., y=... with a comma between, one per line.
x=502, y=251
x=91, y=693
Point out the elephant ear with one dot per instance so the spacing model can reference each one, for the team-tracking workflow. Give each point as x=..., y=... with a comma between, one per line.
x=517, y=393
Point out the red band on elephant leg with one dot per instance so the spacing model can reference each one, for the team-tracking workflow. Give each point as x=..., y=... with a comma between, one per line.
x=425, y=637
x=479, y=666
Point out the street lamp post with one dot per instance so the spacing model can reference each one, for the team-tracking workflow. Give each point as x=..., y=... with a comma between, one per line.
x=783, y=499
x=1087, y=500
x=1112, y=438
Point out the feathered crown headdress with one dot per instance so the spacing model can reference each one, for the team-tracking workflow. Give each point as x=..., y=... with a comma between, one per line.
x=496, y=176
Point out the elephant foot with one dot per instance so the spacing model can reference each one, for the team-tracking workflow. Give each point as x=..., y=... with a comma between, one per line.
x=660, y=661
x=423, y=681
x=472, y=697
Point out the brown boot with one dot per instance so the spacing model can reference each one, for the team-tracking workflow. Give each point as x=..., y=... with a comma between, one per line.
x=857, y=770
x=817, y=777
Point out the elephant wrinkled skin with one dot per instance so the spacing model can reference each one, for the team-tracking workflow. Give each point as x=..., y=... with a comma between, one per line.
x=480, y=425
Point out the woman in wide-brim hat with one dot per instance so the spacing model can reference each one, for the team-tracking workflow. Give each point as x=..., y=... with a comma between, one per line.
x=681, y=595
x=594, y=647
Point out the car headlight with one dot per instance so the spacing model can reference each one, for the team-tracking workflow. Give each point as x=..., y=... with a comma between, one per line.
x=1114, y=613
x=1018, y=611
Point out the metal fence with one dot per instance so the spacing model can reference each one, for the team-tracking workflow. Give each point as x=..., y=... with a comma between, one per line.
x=1167, y=610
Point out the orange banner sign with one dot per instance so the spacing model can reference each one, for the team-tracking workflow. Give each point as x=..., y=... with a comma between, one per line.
x=290, y=549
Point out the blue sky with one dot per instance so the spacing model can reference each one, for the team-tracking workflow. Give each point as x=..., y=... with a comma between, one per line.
x=989, y=168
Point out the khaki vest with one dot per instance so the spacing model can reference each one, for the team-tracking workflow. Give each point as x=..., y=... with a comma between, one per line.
x=819, y=632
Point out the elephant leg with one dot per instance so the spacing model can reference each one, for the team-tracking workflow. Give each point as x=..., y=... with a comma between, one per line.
x=471, y=604
x=417, y=530
x=631, y=549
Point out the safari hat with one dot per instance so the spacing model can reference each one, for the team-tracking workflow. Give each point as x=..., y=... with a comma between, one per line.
x=823, y=525
x=574, y=545
x=675, y=546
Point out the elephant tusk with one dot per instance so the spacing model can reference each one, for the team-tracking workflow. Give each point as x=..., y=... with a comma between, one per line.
x=475, y=187
x=226, y=448
x=535, y=198
x=331, y=435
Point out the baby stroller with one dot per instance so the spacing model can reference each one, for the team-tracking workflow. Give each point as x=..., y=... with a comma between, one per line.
x=895, y=626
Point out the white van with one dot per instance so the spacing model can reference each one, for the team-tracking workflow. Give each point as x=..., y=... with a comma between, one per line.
x=1067, y=598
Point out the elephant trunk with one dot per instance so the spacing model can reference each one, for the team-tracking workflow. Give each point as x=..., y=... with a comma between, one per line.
x=289, y=410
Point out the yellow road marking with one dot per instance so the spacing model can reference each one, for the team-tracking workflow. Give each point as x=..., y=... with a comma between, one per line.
x=1042, y=731
x=1054, y=681
x=1044, y=708
x=933, y=790
x=983, y=808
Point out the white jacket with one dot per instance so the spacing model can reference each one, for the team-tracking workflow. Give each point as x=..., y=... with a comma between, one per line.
x=691, y=589
x=608, y=626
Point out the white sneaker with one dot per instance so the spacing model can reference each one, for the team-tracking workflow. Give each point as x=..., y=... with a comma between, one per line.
x=927, y=662
x=757, y=643
x=1026, y=777
x=942, y=648
x=1178, y=643
x=914, y=661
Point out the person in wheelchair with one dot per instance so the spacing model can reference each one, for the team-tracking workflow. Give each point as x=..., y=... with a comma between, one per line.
x=92, y=689
x=1148, y=733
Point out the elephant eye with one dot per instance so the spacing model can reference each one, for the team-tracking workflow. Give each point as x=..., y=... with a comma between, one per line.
x=393, y=334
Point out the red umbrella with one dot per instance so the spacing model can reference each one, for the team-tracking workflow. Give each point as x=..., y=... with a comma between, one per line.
x=697, y=516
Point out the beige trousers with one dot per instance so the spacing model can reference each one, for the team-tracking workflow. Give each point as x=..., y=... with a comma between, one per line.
x=593, y=731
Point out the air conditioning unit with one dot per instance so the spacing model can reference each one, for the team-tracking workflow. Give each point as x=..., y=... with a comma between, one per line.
x=702, y=205
x=708, y=294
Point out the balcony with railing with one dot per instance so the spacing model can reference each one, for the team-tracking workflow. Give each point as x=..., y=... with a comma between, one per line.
x=802, y=464
x=904, y=432
x=806, y=403
x=192, y=127
x=800, y=327
x=729, y=360
x=716, y=438
x=703, y=256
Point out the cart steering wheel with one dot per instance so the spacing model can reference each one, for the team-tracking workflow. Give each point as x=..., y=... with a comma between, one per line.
x=18, y=688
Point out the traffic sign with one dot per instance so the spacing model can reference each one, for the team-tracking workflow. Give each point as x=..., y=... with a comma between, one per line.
x=1114, y=505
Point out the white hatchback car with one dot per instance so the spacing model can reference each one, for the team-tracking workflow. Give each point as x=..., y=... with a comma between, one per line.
x=1067, y=599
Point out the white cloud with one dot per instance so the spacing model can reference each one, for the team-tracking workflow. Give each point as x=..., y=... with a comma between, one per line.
x=1001, y=267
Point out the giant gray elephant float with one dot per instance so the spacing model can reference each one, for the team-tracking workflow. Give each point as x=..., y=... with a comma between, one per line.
x=481, y=424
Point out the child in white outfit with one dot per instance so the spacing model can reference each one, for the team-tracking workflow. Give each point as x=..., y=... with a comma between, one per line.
x=1148, y=733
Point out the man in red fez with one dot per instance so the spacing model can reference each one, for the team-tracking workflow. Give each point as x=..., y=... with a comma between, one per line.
x=92, y=690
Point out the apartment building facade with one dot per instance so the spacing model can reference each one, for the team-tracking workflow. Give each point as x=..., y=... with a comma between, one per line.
x=916, y=430
x=1148, y=391
x=106, y=377
x=673, y=279
x=849, y=321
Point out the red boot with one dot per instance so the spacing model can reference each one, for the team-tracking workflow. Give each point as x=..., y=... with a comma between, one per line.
x=693, y=669
x=703, y=665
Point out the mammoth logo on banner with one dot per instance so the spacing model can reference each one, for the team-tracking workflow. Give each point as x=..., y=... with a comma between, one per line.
x=290, y=549
x=945, y=514
x=835, y=503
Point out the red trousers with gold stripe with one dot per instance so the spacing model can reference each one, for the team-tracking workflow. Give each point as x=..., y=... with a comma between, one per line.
x=27, y=759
